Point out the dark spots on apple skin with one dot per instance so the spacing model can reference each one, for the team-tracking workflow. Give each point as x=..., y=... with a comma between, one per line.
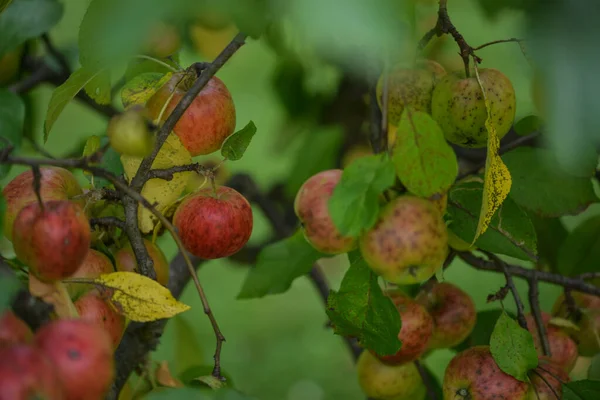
x=73, y=354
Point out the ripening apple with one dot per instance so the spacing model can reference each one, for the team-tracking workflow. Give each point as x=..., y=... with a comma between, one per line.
x=129, y=133
x=93, y=265
x=311, y=207
x=25, y=374
x=214, y=225
x=458, y=106
x=474, y=375
x=546, y=381
x=208, y=121
x=416, y=330
x=408, y=243
x=587, y=338
x=93, y=307
x=453, y=312
x=211, y=42
x=562, y=348
x=389, y=382
x=82, y=354
x=13, y=330
x=54, y=240
x=56, y=184
x=125, y=261
x=163, y=41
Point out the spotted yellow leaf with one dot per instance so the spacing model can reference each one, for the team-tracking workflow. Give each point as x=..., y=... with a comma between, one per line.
x=140, y=88
x=497, y=179
x=138, y=297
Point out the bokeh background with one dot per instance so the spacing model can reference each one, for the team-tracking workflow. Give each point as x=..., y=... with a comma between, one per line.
x=278, y=347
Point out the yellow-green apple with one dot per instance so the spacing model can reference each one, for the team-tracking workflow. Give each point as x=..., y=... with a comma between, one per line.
x=563, y=349
x=129, y=133
x=163, y=41
x=13, y=330
x=94, y=308
x=126, y=261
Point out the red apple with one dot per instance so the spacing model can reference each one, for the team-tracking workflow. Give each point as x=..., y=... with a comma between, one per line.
x=52, y=241
x=13, y=330
x=311, y=206
x=562, y=347
x=214, y=225
x=417, y=327
x=94, y=308
x=82, y=354
x=474, y=375
x=56, y=184
x=588, y=337
x=453, y=312
x=25, y=373
x=94, y=264
x=546, y=381
x=206, y=123
x=126, y=261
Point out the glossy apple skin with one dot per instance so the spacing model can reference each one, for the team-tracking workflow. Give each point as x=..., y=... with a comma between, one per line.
x=453, y=312
x=562, y=347
x=311, y=207
x=26, y=373
x=208, y=121
x=82, y=354
x=54, y=241
x=549, y=384
x=94, y=264
x=214, y=226
x=126, y=261
x=408, y=243
x=56, y=184
x=589, y=323
x=13, y=330
x=473, y=374
x=94, y=308
x=416, y=330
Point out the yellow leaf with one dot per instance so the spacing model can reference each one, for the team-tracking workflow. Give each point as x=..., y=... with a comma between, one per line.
x=497, y=180
x=54, y=293
x=140, y=298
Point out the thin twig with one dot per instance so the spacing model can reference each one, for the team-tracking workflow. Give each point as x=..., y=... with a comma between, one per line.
x=426, y=378
x=108, y=222
x=534, y=303
x=496, y=42
x=509, y=282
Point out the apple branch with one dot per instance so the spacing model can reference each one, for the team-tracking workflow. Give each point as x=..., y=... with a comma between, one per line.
x=511, y=285
x=426, y=378
x=108, y=222
x=534, y=304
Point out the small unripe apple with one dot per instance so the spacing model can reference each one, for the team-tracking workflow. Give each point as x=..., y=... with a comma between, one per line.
x=379, y=380
x=208, y=121
x=93, y=265
x=94, y=308
x=453, y=312
x=416, y=330
x=459, y=108
x=164, y=40
x=54, y=240
x=25, y=374
x=56, y=184
x=589, y=321
x=126, y=261
x=129, y=133
x=81, y=353
x=354, y=153
x=408, y=243
x=13, y=330
x=474, y=375
x=311, y=207
x=562, y=347
x=211, y=42
x=214, y=225
x=546, y=381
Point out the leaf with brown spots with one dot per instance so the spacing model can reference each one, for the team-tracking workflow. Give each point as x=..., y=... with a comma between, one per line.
x=140, y=88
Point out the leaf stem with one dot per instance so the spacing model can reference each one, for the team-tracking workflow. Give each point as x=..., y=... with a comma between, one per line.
x=157, y=61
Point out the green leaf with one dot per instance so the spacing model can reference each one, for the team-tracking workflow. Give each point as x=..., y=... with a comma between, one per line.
x=318, y=152
x=540, y=186
x=581, y=390
x=580, y=252
x=594, y=368
x=278, y=265
x=235, y=145
x=4, y=4
x=190, y=375
x=99, y=88
x=140, y=88
x=361, y=310
x=63, y=94
x=551, y=233
x=12, y=118
x=92, y=145
x=139, y=66
x=26, y=19
x=111, y=161
x=424, y=161
x=512, y=348
x=9, y=285
x=184, y=393
x=358, y=190
x=510, y=231
x=481, y=333
x=528, y=125
x=187, y=347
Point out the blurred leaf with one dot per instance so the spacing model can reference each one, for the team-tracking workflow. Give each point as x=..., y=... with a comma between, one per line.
x=138, y=297
x=190, y=376
x=140, y=88
x=139, y=66
x=424, y=161
x=594, y=368
x=289, y=83
x=98, y=88
x=361, y=310
x=512, y=348
x=580, y=251
x=4, y=4
x=9, y=286
x=111, y=161
x=164, y=377
x=539, y=186
x=188, y=350
x=12, y=118
x=26, y=19
x=581, y=390
x=528, y=125
x=358, y=190
x=278, y=265
x=250, y=16
x=550, y=233
x=494, y=7
x=184, y=393
x=510, y=231
x=235, y=145
x=318, y=153
x=63, y=94
x=481, y=333
x=92, y=145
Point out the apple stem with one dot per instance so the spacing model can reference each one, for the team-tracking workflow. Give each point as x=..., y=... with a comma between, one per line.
x=164, y=64
x=37, y=185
